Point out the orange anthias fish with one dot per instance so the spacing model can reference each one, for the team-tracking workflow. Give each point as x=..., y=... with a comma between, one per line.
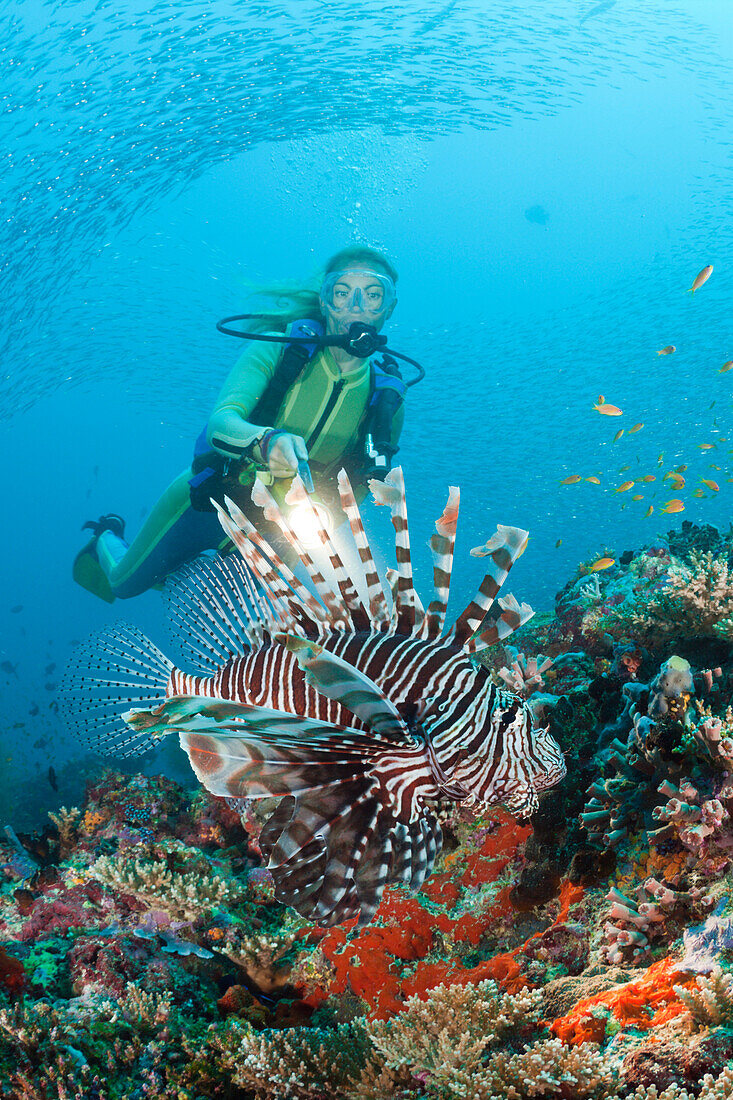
x=726, y=367
x=608, y=410
x=710, y=484
x=601, y=563
x=669, y=350
x=636, y=428
x=647, y=478
x=649, y=511
x=618, y=435
x=624, y=487
x=700, y=278
x=572, y=479
x=674, y=505
x=593, y=480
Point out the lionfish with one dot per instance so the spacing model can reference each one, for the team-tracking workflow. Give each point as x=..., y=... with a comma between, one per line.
x=347, y=700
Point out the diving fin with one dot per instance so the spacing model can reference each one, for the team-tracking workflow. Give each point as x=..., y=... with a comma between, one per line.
x=89, y=573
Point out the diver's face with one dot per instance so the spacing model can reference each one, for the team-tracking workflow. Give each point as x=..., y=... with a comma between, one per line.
x=356, y=295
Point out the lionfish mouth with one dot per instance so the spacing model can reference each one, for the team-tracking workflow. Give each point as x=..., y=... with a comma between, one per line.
x=357, y=712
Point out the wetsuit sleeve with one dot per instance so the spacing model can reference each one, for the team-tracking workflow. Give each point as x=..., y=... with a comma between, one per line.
x=229, y=430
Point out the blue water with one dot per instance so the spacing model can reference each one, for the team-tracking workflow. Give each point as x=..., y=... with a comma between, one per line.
x=548, y=182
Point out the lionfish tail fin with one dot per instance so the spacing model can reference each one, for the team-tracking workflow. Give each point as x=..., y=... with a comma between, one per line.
x=106, y=674
x=503, y=548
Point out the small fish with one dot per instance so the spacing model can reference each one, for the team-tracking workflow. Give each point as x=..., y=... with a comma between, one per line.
x=623, y=469
x=669, y=350
x=624, y=487
x=706, y=446
x=698, y=492
x=52, y=779
x=647, y=478
x=674, y=505
x=608, y=410
x=618, y=435
x=636, y=428
x=700, y=278
x=601, y=563
x=601, y=399
x=573, y=479
x=677, y=482
x=726, y=367
x=660, y=460
x=680, y=469
x=17, y=609
x=714, y=466
x=638, y=496
x=558, y=544
x=593, y=480
x=649, y=511
x=710, y=484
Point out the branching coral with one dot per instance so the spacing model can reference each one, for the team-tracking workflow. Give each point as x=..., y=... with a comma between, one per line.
x=720, y=1088
x=182, y=893
x=711, y=1004
x=67, y=823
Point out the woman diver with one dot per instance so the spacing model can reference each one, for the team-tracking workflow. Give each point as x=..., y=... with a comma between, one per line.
x=308, y=395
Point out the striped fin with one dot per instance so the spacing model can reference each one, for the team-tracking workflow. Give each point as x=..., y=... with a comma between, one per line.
x=391, y=492
x=106, y=674
x=297, y=496
x=272, y=573
x=503, y=548
x=378, y=608
x=513, y=615
x=337, y=679
x=208, y=603
x=442, y=545
x=335, y=618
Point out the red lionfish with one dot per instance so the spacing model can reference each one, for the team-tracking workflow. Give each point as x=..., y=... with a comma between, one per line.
x=359, y=714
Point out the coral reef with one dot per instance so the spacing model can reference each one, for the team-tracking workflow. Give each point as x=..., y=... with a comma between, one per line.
x=587, y=952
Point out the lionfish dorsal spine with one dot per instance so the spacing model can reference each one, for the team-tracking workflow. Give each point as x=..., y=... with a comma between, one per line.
x=407, y=607
x=379, y=611
x=442, y=545
x=504, y=549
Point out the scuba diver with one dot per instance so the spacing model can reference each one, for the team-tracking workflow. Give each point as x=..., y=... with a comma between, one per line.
x=316, y=390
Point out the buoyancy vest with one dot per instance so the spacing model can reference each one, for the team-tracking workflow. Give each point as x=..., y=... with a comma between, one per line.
x=214, y=475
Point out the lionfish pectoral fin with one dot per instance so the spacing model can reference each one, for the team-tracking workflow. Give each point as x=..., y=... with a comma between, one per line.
x=337, y=679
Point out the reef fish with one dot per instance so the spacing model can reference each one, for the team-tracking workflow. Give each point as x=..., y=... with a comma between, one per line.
x=355, y=707
x=700, y=278
x=608, y=410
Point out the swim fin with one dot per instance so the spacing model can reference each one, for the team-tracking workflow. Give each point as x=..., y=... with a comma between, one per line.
x=89, y=573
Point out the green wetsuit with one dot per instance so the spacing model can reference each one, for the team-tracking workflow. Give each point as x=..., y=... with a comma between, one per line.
x=323, y=406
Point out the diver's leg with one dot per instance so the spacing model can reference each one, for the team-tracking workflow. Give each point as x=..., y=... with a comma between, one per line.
x=172, y=534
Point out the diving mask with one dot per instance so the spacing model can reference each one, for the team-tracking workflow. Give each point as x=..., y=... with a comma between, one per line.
x=368, y=291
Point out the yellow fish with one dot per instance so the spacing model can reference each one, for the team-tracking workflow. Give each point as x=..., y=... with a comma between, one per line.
x=674, y=505
x=660, y=460
x=624, y=487
x=677, y=481
x=726, y=367
x=698, y=492
x=647, y=478
x=706, y=446
x=623, y=469
x=710, y=484
x=636, y=428
x=649, y=511
x=638, y=496
x=573, y=479
x=680, y=469
x=713, y=466
x=594, y=480
x=700, y=278
x=602, y=563
x=670, y=348
x=618, y=435
x=608, y=410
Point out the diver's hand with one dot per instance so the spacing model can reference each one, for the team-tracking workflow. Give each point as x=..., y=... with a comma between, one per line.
x=284, y=454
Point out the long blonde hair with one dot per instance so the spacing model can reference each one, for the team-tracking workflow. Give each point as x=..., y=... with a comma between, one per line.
x=294, y=302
